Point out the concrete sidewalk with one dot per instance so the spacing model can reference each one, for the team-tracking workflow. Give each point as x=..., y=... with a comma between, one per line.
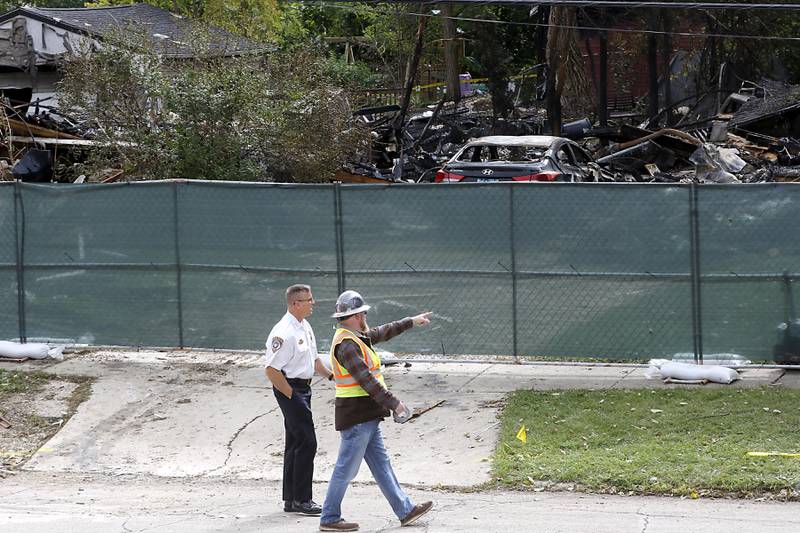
x=179, y=414
x=193, y=441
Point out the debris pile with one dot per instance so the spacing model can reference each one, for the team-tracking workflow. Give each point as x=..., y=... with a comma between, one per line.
x=35, y=138
x=430, y=137
x=753, y=135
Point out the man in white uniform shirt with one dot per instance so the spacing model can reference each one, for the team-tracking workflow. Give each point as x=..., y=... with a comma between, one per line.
x=291, y=359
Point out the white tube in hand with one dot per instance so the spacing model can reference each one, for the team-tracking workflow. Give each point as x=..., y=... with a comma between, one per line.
x=402, y=414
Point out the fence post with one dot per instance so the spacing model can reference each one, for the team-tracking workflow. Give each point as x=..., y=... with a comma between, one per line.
x=697, y=314
x=19, y=245
x=337, y=213
x=178, y=271
x=513, y=267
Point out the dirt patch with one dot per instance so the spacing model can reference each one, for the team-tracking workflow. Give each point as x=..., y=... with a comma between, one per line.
x=34, y=406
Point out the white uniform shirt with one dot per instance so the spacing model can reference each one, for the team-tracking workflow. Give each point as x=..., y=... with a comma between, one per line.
x=291, y=347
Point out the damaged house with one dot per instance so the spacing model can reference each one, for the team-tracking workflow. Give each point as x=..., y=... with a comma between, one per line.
x=34, y=42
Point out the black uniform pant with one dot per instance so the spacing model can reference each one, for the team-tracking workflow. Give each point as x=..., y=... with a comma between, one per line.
x=301, y=442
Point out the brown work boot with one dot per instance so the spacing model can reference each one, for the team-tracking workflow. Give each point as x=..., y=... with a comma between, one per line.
x=341, y=525
x=418, y=510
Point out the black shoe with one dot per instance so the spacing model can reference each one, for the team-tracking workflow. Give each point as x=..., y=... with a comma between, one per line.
x=288, y=507
x=308, y=508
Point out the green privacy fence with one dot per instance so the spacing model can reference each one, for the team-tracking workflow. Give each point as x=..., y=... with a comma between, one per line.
x=554, y=270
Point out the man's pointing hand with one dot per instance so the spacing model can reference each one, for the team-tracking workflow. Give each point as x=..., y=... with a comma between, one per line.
x=422, y=319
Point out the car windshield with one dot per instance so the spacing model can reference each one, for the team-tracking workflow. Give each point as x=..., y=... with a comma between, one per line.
x=485, y=153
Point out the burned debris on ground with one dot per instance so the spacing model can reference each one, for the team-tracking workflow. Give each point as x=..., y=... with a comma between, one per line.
x=37, y=140
x=752, y=135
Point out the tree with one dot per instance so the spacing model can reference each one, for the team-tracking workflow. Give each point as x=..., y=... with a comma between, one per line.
x=499, y=50
x=262, y=20
x=388, y=30
x=567, y=75
x=272, y=117
x=495, y=63
x=8, y=5
x=452, y=56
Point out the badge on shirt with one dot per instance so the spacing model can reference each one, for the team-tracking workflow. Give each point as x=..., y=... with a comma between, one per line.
x=277, y=342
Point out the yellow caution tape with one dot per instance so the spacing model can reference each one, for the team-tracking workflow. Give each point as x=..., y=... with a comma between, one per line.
x=772, y=454
x=470, y=80
x=442, y=83
x=21, y=453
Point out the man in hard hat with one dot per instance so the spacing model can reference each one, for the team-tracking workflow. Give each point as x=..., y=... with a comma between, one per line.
x=291, y=359
x=362, y=401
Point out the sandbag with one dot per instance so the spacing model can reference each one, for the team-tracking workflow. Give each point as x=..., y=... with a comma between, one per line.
x=30, y=350
x=718, y=359
x=684, y=371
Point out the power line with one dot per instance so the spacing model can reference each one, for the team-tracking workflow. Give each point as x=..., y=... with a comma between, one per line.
x=576, y=27
x=608, y=3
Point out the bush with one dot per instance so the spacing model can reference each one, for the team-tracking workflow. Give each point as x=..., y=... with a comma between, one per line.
x=273, y=116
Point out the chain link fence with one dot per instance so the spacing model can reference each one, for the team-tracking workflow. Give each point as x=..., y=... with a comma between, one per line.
x=622, y=271
x=9, y=305
x=749, y=259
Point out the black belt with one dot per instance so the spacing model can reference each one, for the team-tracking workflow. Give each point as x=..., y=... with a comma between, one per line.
x=299, y=382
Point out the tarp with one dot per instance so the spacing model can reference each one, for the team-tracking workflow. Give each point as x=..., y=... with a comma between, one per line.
x=558, y=270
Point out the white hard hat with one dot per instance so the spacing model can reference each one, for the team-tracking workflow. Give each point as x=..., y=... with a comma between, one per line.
x=349, y=303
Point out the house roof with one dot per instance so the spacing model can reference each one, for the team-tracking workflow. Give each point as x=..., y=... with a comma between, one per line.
x=778, y=98
x=170, y=33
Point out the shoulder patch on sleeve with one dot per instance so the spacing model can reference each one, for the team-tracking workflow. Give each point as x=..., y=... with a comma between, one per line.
x=277, y=342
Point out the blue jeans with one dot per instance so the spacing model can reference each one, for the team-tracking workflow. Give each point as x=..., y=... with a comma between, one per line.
x=363, y=441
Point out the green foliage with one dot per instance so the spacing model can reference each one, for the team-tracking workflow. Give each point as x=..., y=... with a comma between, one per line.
x=387, y=35
x=773, y=59
x=272, y=117
x=8, y=5
x=499, y=51
x=678, y=441
x=494, y=60
x=513, y=46
x=351, y=75
x=347, y=20
x=261, y=20
x=11, y=381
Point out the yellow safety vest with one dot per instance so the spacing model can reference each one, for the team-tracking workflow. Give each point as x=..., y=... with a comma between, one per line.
x=346, y=385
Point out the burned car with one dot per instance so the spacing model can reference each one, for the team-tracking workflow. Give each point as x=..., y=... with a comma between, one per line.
x=517, y=158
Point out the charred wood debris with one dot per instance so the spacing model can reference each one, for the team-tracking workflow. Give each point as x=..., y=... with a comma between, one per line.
x=35, y=138
x=751, y=136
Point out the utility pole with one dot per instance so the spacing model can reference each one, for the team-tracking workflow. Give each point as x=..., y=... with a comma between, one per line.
x=652, y=74
x=553, y=68
x=602, y=86
x=652, y=67
x=452, y=54
x=411, y=72
x=666, y=60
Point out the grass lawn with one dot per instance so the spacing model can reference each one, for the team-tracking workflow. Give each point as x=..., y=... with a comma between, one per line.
x=13, y=381
x=29, y=412
x=689, y=442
